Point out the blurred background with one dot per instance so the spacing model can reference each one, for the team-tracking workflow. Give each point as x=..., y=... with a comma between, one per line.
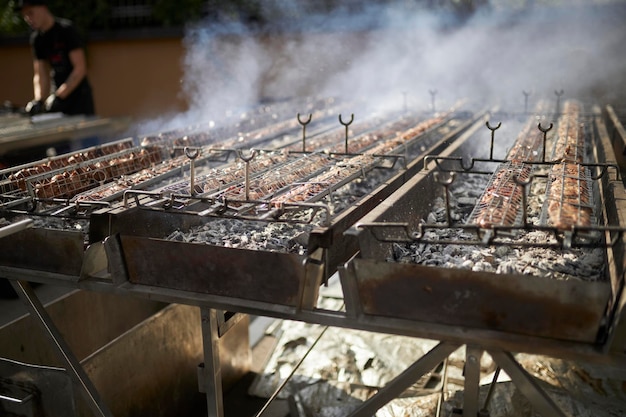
x=151, y=59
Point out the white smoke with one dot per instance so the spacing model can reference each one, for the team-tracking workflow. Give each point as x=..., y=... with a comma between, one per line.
x=399, y=51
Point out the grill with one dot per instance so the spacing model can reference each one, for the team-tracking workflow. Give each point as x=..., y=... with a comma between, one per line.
x=134, y=197
x=255, y=219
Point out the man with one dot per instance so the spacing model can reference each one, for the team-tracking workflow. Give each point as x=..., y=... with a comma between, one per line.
x=60, y=81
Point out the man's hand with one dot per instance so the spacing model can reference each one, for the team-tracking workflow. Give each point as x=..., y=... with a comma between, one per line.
x=54, y=104
x=34, y=107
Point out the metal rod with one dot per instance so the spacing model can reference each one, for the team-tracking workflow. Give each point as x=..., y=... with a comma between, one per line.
x=73, y=367
x=444, y=384
x=10, y=399
x=247, y=160
x=405, y=107
x=293, y=371
x=492, y=388
x=15, y=227
x=545, y=131
x=493, y=130
x=304, y=123
x=212, y=375
x=527, y=385
x=433, y=93
x=400, y=383
x=446, y=185
x=558, y=100
x=346, y=124
x=523, y=184
x=192, y=154
x=526, y=94
x=472, y=380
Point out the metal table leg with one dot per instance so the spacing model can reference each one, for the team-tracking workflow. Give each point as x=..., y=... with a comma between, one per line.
x=472, y=380
x=72, y=365
x=538, y=398
x=403, y=381
x=212, y=373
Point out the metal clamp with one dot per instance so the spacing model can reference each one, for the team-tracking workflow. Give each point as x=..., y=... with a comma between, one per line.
x=433, y=93
x=304, y=123
x=545, y=131
x=247, y=160
x=493, y=130
x=446, y=185
x=526, y=94
x=346, y=124
x=192, y=154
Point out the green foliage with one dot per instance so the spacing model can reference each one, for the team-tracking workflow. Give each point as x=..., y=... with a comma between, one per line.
x=89, y=15
x=10, y=22
x=176, y=13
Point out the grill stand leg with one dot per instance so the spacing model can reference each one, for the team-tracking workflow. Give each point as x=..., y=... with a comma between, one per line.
x=212, y=371
x=407, y=378
x=522, y=380
x=72, y=365
x=472, y=380
x=525, y=382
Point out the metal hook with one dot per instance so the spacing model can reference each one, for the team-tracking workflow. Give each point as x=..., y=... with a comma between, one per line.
x=472, y=161
x=603, y=171
x=404, y=101
x=247, y=160
x=223, y=205
x=545, y=131
x=419, y=233
x=493, y=129
x=346, y=124
x=433, y=93
x=192, y=154
x=526, y=94
x=446, y=184
x=304, y=123
x=558, y=99
x=523, y=184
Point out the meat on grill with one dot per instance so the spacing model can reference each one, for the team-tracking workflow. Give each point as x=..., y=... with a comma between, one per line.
x=569, y=197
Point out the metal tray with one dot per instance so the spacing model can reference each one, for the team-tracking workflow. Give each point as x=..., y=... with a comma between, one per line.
x=530, y=305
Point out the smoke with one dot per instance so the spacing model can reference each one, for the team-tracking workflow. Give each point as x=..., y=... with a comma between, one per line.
x=400, y=53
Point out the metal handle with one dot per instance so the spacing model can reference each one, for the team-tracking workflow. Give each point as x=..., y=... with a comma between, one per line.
x=16, y=400
x=15, y=227
x=192, y=154
x=346, y=124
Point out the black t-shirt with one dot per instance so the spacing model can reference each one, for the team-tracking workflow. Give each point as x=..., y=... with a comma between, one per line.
x=54, y=46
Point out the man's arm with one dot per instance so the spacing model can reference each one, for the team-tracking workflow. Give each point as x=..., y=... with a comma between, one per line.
x=41, y=79
x=77, y=57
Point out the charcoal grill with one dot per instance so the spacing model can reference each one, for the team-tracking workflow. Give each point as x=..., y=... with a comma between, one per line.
x=582, y=317
x=120, y=225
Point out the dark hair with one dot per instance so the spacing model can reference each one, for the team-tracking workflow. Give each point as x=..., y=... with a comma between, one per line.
x=23, y=3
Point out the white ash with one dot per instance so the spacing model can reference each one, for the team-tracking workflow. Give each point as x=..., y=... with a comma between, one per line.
x=61, y=223
x=255, y=235
x=586, y=264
